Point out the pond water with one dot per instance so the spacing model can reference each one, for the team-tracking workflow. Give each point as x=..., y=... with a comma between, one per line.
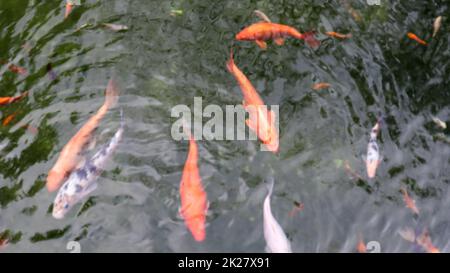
x=176, y=50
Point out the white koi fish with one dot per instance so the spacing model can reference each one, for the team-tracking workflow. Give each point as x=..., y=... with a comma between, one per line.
x=276, y=239
x=373, y=158
x=82, y=181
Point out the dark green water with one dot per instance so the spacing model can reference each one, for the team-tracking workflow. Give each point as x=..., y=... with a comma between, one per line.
x=164, y=60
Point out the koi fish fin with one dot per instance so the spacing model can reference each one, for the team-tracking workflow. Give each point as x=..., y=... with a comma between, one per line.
x=251, y=124
x=230, y=63
x=311, y=40
x=261, y=44
x=279, y=41
x=111, y=93
x=88, y=190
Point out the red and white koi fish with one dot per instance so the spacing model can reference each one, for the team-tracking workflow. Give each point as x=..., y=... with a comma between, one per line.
x=261, y=121
x=193, y=197
x=70, y=154
x=262, y=31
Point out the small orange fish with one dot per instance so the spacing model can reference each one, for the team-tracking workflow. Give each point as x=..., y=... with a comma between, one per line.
x=70, y=154
x=297, y=208
x=410, y=203
x=414, y=37
x=193, y=197
x=262, y=31
x=8, y=119
x=361, y=246
x=338, y=35
x=17, y=69
x=261, y=120
x=424, y=240
x=321, y=85
x=9, y=100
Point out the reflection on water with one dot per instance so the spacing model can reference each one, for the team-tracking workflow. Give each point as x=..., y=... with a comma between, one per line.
x=175, y=50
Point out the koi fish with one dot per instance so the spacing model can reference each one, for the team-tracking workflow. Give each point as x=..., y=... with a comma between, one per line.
x=439, y=122
x=69, y=6
x=9, y=100
x=8, y=119
x=338, y=35
x=262, y=31
x=193, y=197
x=115, y=27
x=70, y=154
x=82, y=181
x=297, y=208
x=373, y=158
x=423, y=240
x=276, y=239
x=321, y=85
x=361, y=246
x=17, y=69
x=437, y=25
x=414, y=37
x=410, y=203
x=261, y=120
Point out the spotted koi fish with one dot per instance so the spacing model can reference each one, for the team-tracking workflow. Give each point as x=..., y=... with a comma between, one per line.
x=373, y=158
x=82, y=181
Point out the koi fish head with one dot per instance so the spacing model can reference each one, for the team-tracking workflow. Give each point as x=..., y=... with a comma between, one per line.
x=64, y=201
x=54, y=179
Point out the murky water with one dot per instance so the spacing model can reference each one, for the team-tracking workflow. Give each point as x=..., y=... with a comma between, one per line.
x=176, y=50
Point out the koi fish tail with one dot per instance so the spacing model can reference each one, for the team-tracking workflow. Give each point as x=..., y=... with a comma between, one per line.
x=111, y=94
x=230, y=63
x=270, y=183
x=310, y=39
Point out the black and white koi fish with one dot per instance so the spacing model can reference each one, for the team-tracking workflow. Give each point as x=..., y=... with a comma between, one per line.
x=276, y=239
x=82, y=181
x=373, y=158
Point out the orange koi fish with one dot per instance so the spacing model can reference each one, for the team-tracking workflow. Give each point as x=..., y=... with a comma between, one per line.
x=338, y=35
x=261, y=121
x=193, y=197
x=410, y=203
x=262, y=31
x=414, y=37
x=297, y=208
x=9, y=100
x=8, y=119
x=321, y=85
x=70, y=154
x=424, y=240
x=361, y=246
x=17, y=69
